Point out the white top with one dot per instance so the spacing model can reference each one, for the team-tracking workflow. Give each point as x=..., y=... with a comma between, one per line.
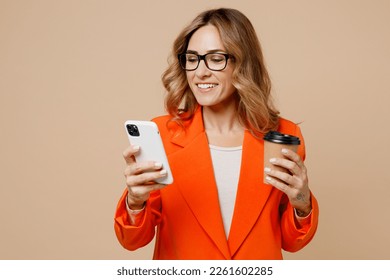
x=226, y=164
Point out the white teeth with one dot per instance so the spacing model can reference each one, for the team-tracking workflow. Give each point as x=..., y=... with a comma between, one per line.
x=204, y=86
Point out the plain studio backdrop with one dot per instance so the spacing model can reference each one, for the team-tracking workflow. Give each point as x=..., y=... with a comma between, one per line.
x=71, y=73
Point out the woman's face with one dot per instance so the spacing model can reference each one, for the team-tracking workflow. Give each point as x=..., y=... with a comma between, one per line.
x=210, y=88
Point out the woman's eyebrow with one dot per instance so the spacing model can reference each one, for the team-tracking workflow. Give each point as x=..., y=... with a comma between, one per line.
x=209, y=51
x=190, y=51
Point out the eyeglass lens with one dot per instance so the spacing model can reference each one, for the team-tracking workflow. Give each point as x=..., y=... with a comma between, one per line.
x=214, y=61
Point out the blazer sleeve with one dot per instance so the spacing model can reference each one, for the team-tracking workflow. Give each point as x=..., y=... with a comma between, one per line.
x=134, y=237
x=295, y=237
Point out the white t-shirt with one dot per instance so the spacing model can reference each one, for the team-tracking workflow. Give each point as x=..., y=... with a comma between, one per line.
x=226, y=164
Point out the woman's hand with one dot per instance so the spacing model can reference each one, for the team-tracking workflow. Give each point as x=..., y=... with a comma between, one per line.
x=140, y=178
x=295, y=184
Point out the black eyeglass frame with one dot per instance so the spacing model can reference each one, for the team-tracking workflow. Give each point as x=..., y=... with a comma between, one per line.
x=203, y=57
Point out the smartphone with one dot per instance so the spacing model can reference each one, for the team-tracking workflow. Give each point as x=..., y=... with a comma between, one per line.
x=146, y=135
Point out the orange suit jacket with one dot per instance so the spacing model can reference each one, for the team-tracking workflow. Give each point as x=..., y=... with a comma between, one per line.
x=185, y=216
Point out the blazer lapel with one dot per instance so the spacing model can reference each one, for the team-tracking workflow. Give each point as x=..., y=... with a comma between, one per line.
x=195, y=179
x=252, y=193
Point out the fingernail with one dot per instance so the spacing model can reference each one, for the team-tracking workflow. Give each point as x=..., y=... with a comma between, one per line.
x=284, y=151
x=267, y=170
x=163, y=172
x=136, y=148
x=272, y=160
x=158, y=164
x=269, y=179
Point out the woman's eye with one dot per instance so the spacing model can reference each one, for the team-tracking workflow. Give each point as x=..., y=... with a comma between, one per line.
x=217, y=59
x=192, y=59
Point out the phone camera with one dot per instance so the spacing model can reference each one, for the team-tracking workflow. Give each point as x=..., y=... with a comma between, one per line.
x=132, y=129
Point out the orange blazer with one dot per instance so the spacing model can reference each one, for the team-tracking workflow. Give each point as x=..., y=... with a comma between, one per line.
x=185, y=216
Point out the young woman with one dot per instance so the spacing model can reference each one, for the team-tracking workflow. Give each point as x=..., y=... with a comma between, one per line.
x=219, y=108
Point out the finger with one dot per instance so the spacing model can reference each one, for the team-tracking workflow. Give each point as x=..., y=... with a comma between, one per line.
x=293, y=156
x=145, y=178
x=144, y=190
x=136, y=168
x=287, y=164
x=282, y=176
x=129, y=153
x=280, y=185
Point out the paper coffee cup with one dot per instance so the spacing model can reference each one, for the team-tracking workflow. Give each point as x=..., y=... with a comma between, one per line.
x=274, y=142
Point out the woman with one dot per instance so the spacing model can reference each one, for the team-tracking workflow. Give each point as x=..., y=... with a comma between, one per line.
x=219, y=107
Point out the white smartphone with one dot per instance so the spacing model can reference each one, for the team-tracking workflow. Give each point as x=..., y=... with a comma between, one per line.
x=146, y=135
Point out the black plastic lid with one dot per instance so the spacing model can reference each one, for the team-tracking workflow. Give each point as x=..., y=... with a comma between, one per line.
x=277, y=137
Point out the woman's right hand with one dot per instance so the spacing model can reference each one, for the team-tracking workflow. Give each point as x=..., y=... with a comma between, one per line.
x=140, y=178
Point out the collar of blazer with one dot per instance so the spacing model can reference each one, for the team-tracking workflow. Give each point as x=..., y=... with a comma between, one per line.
x=193, y=172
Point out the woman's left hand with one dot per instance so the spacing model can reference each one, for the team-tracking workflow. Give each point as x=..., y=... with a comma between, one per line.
x=295, y=184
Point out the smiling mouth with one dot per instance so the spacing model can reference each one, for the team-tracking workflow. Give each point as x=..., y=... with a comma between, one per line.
x=206, y=86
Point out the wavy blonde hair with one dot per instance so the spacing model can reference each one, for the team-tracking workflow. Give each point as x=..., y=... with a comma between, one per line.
x=250, y=77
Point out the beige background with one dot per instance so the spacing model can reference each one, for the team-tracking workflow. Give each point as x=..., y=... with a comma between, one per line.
x=72, y=71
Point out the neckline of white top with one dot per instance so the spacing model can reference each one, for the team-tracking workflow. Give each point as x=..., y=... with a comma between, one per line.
x=219, y=148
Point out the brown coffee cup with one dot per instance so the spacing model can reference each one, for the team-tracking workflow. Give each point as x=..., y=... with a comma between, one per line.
x=274, y=142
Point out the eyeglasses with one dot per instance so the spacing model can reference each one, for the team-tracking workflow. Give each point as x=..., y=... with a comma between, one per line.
x=213, y=61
